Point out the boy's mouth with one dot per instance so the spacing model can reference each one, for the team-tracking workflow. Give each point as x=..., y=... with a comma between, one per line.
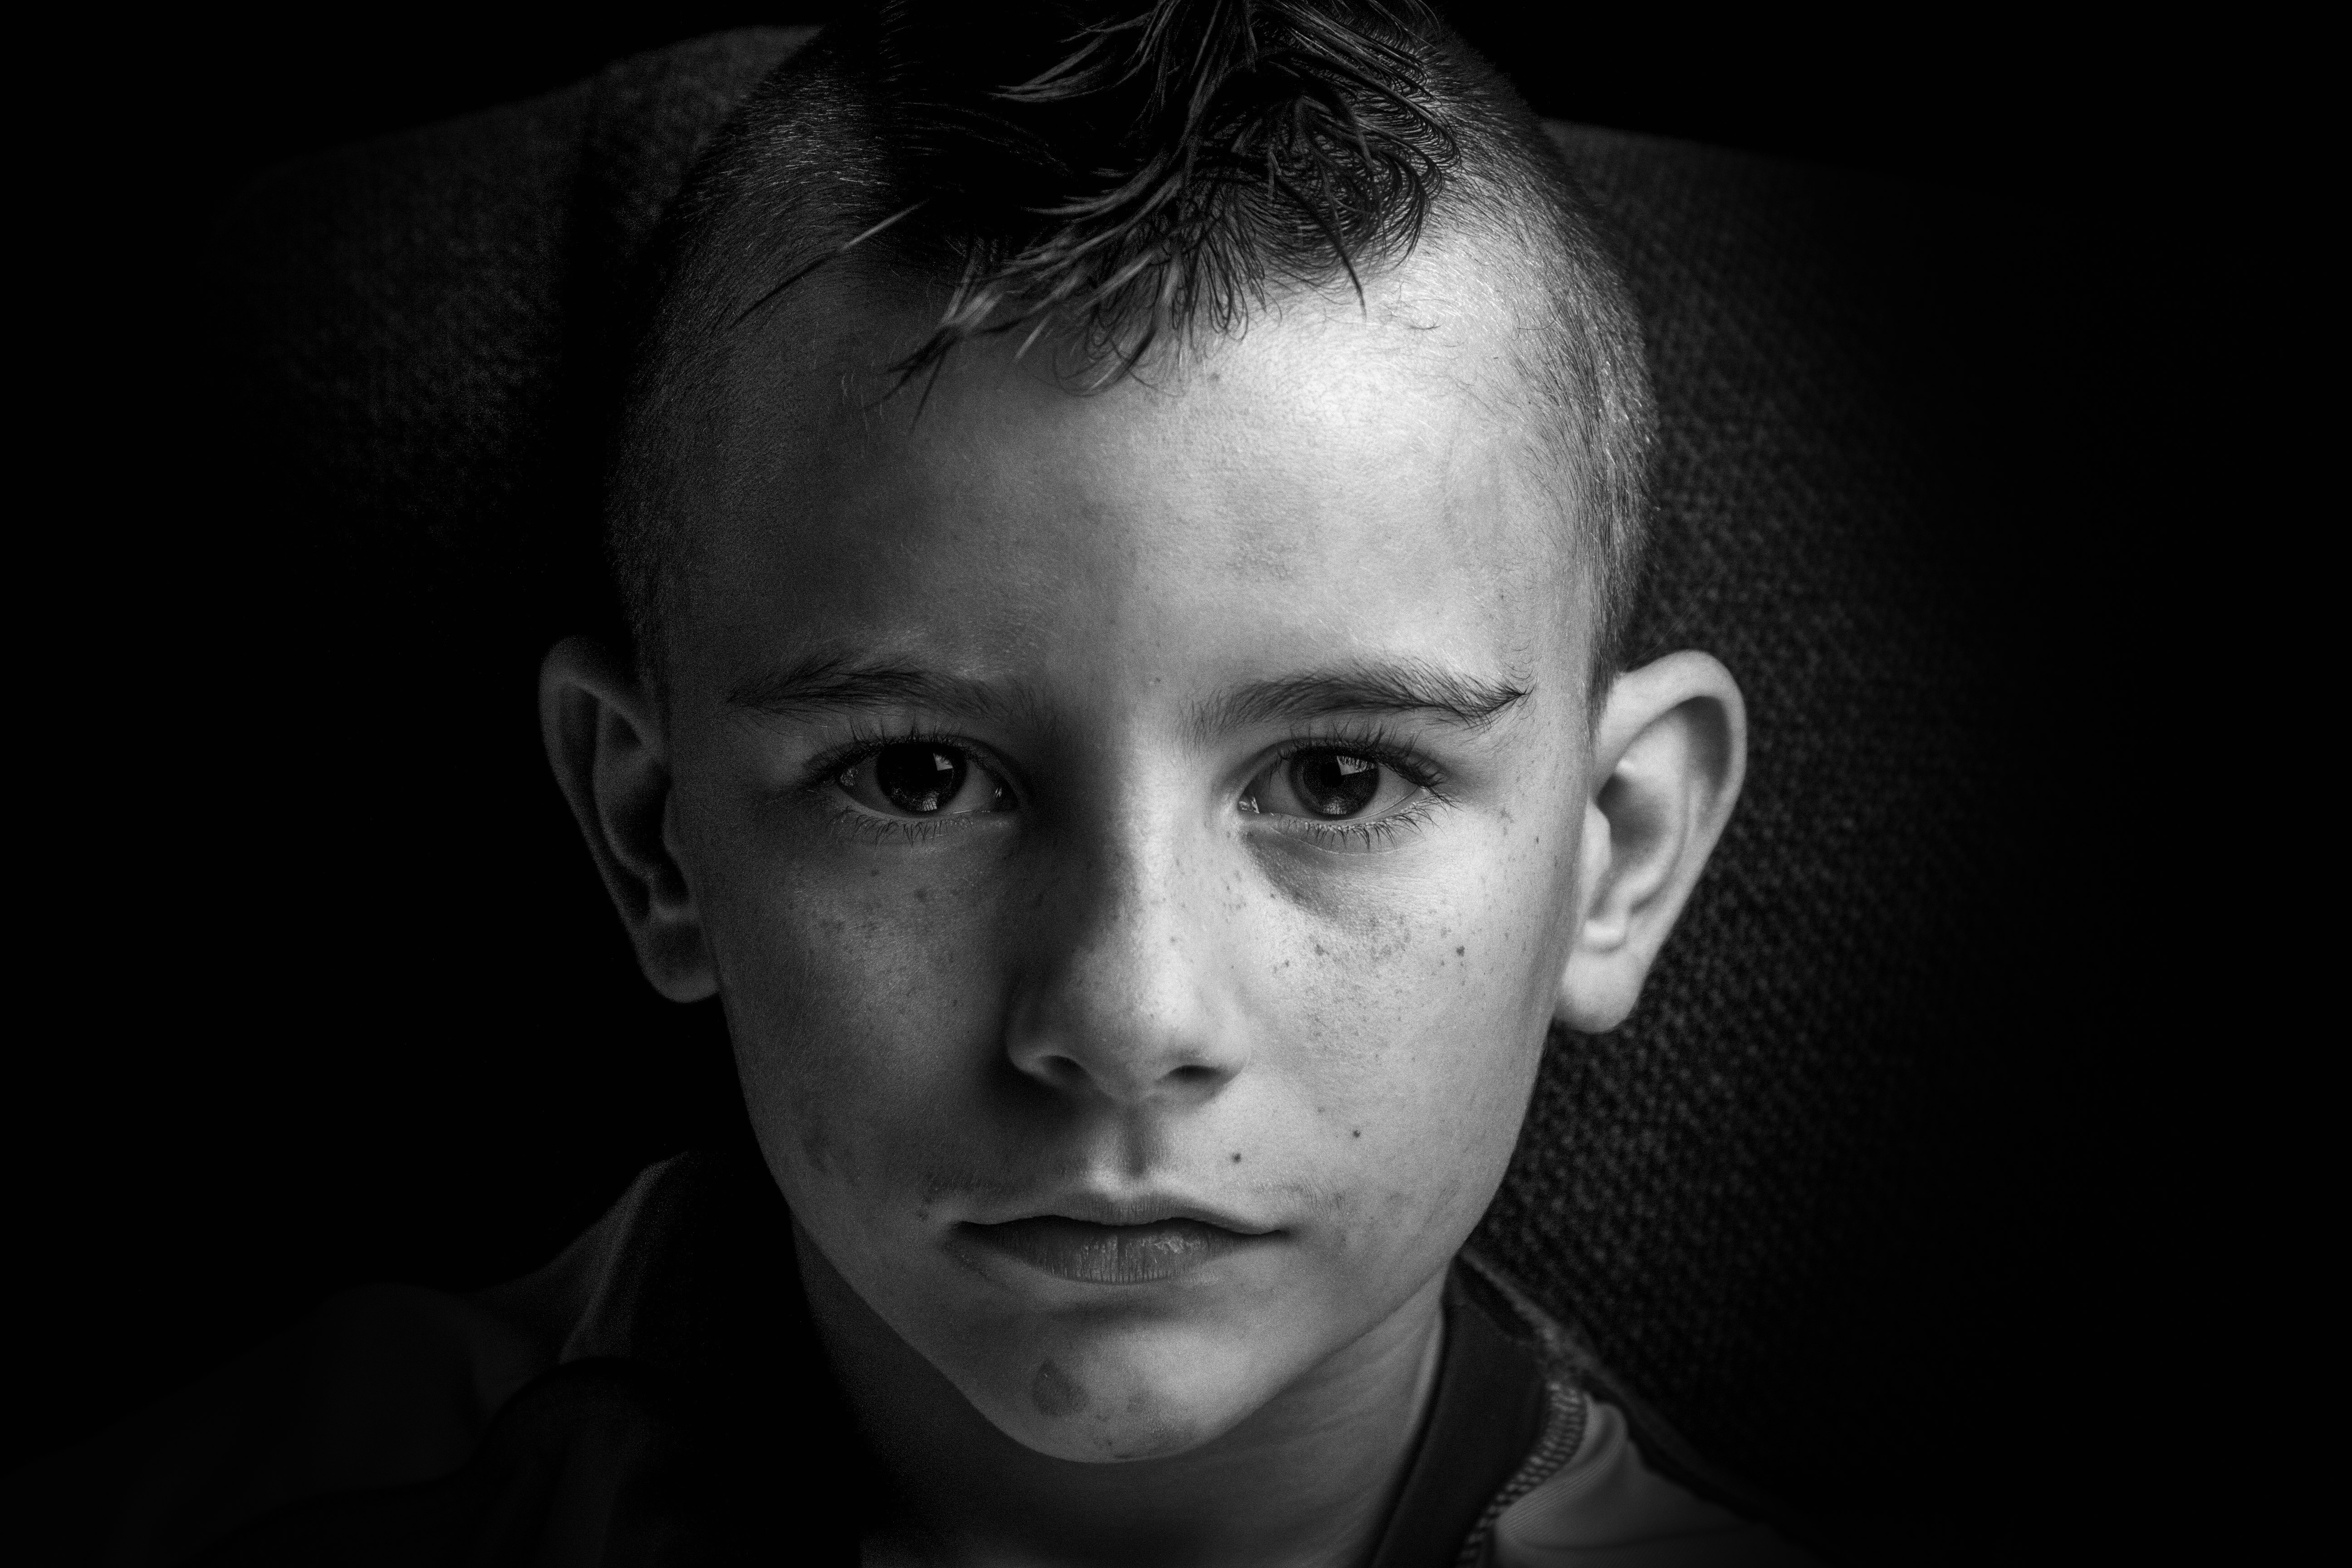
x=1097, y=1254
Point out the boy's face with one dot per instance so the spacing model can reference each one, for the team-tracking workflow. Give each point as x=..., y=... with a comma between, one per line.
x=1136, y=836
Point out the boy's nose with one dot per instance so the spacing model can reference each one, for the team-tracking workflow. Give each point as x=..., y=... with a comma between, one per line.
x=1131, y=994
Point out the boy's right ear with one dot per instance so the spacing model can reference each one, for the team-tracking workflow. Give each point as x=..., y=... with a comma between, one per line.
x=608, y=754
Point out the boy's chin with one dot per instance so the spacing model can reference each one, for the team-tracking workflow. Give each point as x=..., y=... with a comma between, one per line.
x=1144, y=1394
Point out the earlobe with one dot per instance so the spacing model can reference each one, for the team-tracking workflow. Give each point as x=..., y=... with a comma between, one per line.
x=1669, y=753
x=606, y=745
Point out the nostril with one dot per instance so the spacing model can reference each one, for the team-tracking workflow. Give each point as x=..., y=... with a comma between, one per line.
x=1121, y=1067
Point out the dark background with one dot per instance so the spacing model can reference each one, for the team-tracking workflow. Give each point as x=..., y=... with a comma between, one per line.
x=2003, y=99
x=235, y=1105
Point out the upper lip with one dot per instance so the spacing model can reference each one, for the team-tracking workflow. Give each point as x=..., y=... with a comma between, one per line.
x=1102, y=1208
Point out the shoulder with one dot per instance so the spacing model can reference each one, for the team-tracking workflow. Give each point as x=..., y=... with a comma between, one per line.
x=379, y=1386
x=1616, y=1487
x=386, y=1386
x=1607, y=1508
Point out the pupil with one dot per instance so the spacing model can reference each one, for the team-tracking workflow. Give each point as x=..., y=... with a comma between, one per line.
x=1334, y=783
x=918, y=779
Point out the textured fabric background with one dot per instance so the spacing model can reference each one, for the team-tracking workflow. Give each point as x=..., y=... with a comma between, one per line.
x=1763, y=1197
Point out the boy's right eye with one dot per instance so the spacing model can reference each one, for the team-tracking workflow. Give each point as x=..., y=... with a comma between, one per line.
x=922, y=779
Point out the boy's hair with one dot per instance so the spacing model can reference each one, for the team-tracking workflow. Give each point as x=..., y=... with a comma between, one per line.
x=1112, y=175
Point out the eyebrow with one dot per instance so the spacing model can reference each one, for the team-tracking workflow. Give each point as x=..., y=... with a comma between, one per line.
x=1408, y=688
x=837, y=683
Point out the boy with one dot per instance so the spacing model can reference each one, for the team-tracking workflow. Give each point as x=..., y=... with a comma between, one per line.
x=1126, y=515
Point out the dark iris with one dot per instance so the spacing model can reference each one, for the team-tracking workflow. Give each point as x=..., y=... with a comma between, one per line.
x=1334, y=783
x=917, y=778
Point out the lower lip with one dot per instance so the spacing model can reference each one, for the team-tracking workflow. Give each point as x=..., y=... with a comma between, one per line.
x=1108, y=1254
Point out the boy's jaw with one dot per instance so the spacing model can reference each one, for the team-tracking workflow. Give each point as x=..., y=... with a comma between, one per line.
x=1107, y=1263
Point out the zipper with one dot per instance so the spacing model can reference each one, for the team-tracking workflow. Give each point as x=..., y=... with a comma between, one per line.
x=1566, y=1409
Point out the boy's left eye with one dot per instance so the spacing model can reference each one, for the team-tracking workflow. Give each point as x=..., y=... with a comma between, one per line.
x=1328, y=786
x=920, y=779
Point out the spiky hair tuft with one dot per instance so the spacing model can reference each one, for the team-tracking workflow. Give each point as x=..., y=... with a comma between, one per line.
x=1171, y=164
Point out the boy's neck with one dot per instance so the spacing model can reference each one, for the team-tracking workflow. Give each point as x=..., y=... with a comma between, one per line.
x=1307, y=1482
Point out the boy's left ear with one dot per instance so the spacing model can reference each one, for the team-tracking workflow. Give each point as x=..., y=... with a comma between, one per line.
x=1669, y=753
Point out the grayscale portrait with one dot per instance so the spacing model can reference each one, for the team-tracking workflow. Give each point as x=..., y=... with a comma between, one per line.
x=1105, y=781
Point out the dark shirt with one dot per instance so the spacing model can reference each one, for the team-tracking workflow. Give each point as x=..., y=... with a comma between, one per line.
x=657, y=1395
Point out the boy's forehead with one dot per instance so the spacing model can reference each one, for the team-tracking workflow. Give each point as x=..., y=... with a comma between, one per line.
x=1334, y=482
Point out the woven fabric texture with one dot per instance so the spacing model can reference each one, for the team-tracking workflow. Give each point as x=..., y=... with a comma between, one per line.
x=1748, y=1197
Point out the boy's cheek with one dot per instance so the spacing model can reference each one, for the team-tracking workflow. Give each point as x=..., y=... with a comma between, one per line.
x=869, y=1021
x=1437, y=985
x=859, y=1023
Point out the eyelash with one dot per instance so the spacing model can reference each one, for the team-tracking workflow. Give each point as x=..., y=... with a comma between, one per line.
x=866, y=828
x=1375, y=745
